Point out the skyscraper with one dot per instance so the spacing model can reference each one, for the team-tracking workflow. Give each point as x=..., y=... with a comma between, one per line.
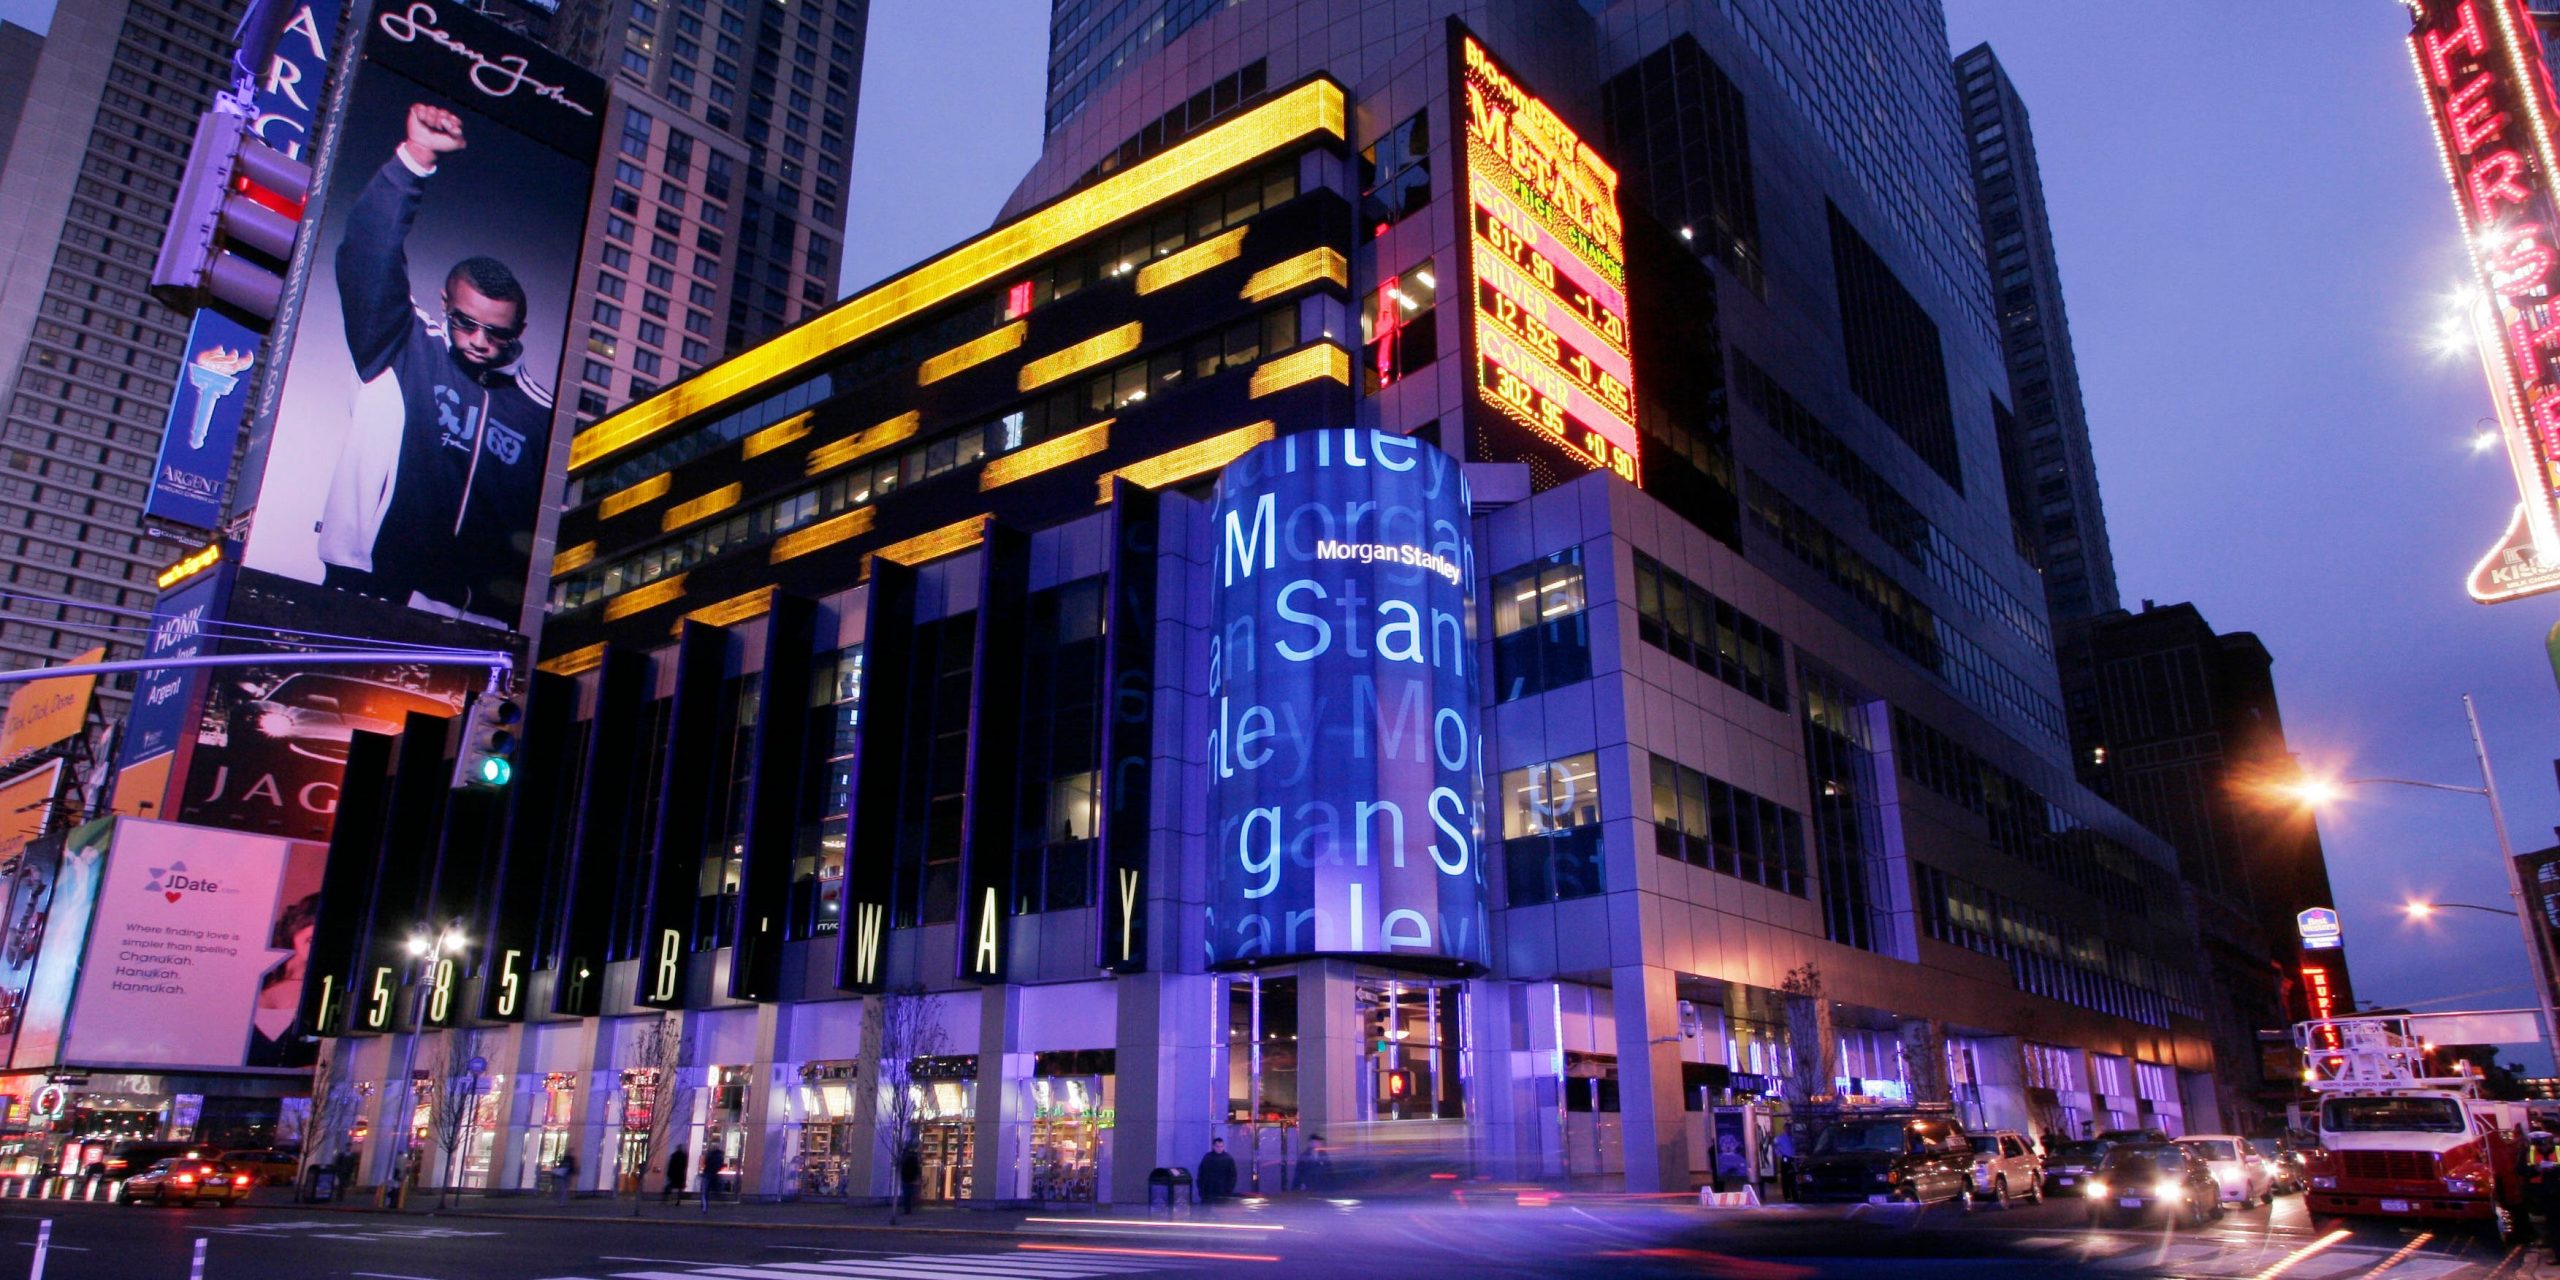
x=2044, y=434
x=732, y=134
x=19, y=49
x=89, y=355
x=939, y=644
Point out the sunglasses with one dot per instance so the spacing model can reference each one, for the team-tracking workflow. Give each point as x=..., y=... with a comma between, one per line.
x=461, y=323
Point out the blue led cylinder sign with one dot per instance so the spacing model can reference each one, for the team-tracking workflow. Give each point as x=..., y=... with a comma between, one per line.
x=1346, y=777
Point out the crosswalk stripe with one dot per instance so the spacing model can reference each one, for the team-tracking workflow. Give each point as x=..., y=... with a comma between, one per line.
x=1051, y=1265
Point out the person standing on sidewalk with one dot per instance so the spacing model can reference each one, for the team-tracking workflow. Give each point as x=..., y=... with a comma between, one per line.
x=910, y=1175
x=1782, y=1152
x=677, y=1160
x=1315, y=1168
x=712, y=1162
x=1217, y=1180
x=564, y=1176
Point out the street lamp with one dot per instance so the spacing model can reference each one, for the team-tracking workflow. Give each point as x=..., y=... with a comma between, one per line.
x=2317, y=791
x=2419, y=909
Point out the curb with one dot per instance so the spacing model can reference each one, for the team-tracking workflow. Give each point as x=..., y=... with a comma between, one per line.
x=601, y=1219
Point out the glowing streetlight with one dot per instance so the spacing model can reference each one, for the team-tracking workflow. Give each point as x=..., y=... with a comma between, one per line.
x=2420, y=909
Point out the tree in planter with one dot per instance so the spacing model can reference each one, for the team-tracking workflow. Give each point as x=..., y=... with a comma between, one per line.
x=454, y=1099
x=654, y=1080
x=905, y=1025
x=336, y=1101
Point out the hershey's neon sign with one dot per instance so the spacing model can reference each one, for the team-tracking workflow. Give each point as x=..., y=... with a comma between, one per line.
x=2490, y=100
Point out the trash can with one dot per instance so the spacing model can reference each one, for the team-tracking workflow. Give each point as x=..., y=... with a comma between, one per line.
x=1175, y=1181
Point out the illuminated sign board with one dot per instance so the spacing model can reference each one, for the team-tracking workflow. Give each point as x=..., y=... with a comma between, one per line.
x=2480, y=66
x=195, y=562
x=1546, y=272
x=2319, y=928
x=1345, y=778
x=2315, y=989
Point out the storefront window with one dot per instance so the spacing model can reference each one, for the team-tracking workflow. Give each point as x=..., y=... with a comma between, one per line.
x=549, y=1138
x=1409, y=1038
x=944, y=1093
x=639, y=1114
x=824, y=1162
x=1071, y=1102
x=1262, y=1074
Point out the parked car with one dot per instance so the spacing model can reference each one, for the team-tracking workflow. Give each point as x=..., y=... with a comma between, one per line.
x=2285, y=1161
x=2005, y=1167
x=2073, y=1164
x=183, y=1181
x=270, y=1166
x=1882, y=1156
x=130, y=1157
x=2152, y=1180
x=2148, y=1133
x=2243, y=1175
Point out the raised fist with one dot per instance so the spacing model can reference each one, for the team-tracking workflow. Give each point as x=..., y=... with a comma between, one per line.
x=433, y=131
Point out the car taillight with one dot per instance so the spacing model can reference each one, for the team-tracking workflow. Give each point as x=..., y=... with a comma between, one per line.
x=186, y=1177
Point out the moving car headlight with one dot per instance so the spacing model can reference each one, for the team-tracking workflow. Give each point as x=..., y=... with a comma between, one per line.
x=2169, y=1193
x=2097, y=1188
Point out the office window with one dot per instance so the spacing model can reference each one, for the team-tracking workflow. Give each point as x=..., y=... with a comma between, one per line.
x=1551, y=830
x=1676, y=616
x=1709, y=823
x=1395, y=175
x=1541, y=630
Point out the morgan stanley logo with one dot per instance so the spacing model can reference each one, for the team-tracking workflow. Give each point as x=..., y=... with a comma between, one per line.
x=173, y=882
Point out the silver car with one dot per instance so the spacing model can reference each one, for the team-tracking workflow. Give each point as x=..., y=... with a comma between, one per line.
x=2006, y=1167
x=2244, y=1176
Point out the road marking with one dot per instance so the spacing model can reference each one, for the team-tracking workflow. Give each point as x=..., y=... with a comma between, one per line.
x=389, y=1275
x=54, y=1248
x=944, y=1266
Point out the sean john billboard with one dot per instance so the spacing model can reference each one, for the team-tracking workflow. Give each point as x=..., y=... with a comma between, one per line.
x=1346, y=780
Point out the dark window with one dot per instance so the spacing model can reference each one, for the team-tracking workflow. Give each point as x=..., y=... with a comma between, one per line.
x=1059, y=809
x=1678, y=125
x=1678, y=617
x=1395, y=175
x=1896, y=363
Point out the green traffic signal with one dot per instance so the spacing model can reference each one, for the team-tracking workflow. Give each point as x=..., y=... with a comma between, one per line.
x=496, y=771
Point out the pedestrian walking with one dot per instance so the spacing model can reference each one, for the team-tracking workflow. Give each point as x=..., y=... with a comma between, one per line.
x=678, y=1161
x=1315, y=1168
x=1217, y=1178
x=712, y=1162
x=2542, y=1189
x=565, y=1175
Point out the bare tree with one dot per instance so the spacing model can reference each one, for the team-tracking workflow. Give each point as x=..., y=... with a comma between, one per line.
x=336, y=1101
x=454, y=1099
x=1813, y=1045
x=905, y=1025
x=655, y=1079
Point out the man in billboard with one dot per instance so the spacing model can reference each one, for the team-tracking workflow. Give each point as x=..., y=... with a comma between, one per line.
x=442, y=456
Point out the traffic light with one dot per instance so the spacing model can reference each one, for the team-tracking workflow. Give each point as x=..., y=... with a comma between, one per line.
x=488, y=743
x=231, y=229
x=1399, y=1083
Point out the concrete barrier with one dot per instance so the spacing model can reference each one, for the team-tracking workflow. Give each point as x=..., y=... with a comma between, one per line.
x=1747, y=1198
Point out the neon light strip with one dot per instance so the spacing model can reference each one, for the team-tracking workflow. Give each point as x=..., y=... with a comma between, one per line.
x=1313, y=108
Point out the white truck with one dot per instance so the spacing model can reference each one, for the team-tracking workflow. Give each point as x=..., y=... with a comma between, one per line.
x=2404, y=1134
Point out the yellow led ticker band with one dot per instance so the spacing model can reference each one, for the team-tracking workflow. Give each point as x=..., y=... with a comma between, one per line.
x=692, y=509
x=1040, y=457
x=573, y=559
x=827, y=457
x=574, y=661
x=643, y=599
x=1306, y=268
x=777, y=435
x=1306, y=364
x=735, y=609
x=649, y=490
x=1313, y=108
x=976, y=351
x=1164, y=273
x=825, y=533
x=1082, y=356
x=1191, y=461
x=957, y=536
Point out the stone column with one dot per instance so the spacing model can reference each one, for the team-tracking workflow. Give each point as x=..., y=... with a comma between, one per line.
x=1653, y=1126
x=1000, y=1145
x=510, y=1051
x=1328, y=1058
x=760, y=1160
x=1166, y=1091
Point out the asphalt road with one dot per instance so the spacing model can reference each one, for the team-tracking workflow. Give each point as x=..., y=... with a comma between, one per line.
x=1485, y=1235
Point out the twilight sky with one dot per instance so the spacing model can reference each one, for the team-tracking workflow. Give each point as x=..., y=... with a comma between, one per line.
x=2256, y=243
